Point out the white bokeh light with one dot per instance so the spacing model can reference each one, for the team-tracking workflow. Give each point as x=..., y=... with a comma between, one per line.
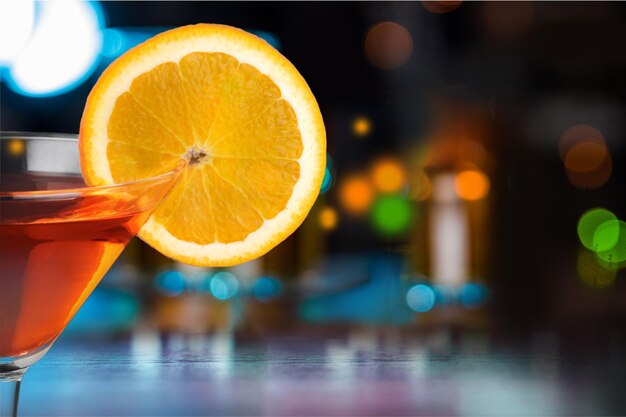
x=16, y=24
x=62, y=50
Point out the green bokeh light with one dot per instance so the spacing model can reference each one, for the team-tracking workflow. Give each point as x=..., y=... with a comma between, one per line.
x=606, y=236
x=615, y=232
x=391, y=214
x=590, y=222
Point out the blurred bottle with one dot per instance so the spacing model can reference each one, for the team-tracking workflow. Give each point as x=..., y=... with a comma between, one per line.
x=451, y=246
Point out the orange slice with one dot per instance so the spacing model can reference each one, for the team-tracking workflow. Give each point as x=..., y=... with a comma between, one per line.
x=236, y=113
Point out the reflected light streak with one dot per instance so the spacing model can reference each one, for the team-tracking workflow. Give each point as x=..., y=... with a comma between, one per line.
x=388, y=45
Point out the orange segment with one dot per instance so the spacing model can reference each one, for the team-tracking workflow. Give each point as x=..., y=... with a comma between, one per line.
x=236, y=113
x=205, y=77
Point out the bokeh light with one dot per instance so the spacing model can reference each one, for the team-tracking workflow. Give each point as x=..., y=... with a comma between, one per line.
x=612, y=231
x=170, y=283
x=17, y=18
x=420, y=298
x=356, y=194
x=328, y=218
x=471, y=185
x=224, y=285
x=594, y=272
x=66, y=41
x=361, y=126
x=577, y=134
x=589, y=223
x=440, y=7
x=327, y=182
x=266, y=289
x=388, y=45
x=586, y=158
x=391, y=214
x=473, y=295
x=507, y=19
x=590, y=180
x=16, y=147
x=388, y=175
x=606, y=236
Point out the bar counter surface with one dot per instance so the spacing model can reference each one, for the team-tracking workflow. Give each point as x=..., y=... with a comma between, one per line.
x=364, y=372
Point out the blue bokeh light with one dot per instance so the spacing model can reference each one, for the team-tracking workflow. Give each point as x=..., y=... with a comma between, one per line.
x=267, y=289
x=473, y=295
x=223, y=285
x=170, y=283
x=421, y=298
x=327, y=181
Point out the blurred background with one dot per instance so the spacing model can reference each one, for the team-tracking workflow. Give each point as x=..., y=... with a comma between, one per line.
x=474, y=190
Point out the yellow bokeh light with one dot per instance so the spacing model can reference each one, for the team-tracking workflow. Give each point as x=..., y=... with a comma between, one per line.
x=472, y=185
x=593, y=272
x=388, y=45
x=356, y=194
x=388, y=175
x=361, y=126
x=16, y=147
x=328, y=218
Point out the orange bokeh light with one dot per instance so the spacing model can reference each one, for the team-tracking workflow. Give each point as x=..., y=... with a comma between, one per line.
x=328, y=218
x=577, y=134
x=16, y=147
x=361, y=126
x=472, y=185
x=388, y=175
x=440, y=7
x=588, y=165
x=388, y=45
x=585, y=156
x=356, y=194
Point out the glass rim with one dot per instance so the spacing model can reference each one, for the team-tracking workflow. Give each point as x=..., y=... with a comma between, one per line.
x=65, y=192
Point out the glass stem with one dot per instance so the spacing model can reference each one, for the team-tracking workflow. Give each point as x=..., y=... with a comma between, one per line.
x=9, y=396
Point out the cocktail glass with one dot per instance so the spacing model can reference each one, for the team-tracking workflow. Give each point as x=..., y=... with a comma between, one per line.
x=58, y=237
